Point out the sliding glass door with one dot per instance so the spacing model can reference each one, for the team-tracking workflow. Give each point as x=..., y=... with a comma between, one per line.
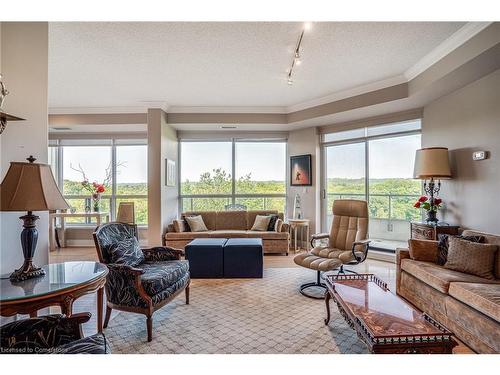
x=378, y=168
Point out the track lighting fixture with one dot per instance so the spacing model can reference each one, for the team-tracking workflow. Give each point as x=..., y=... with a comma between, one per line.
x=296, y=54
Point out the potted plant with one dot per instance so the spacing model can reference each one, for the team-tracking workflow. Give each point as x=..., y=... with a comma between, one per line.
x=431, y=205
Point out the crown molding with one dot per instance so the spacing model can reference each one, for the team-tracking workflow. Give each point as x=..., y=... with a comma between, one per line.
x=200, y=109
x=96, y=110
x=450, y=44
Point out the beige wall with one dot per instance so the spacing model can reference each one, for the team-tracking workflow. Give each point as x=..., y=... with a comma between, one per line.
x=162, y=200
x=300, y=142
x=468, y=120
x=24, y=63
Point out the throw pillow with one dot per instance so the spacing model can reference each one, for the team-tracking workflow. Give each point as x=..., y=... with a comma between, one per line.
x=180, y=226
x=261, y=223
x=196, y=223
x=443, y=245
x=423, y=250
x=471, y=257
x=272, y=223
x=279, y=225
x=127, y=252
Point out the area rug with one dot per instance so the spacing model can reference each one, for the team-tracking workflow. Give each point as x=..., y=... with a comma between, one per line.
x=254, y=316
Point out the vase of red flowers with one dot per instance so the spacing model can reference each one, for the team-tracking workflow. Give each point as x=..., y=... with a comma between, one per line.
x=96, y=191
x=431, y=205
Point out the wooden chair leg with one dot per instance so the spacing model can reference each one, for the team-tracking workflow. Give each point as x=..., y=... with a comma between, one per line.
x=149, y=324
x=187, y=295
x=108, y=315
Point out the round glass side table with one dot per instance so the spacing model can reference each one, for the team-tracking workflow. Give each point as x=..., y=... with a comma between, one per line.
x=62, y=284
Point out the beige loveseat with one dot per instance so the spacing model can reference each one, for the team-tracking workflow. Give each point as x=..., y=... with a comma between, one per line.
x=231, y=224
x=467, y=305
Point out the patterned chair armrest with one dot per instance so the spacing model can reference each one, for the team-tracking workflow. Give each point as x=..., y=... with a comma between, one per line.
x=45, y=332
x=162, y=253
x=123, y=285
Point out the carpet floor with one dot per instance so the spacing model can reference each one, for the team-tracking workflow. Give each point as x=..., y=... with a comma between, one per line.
x=249, y=316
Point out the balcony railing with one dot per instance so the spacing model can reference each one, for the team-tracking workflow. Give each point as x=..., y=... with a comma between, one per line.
x=216, y=202
x=384, y=206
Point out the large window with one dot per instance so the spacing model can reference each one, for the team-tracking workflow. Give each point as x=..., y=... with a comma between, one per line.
x=375, y=164
x=221, y=175
x=120, y=164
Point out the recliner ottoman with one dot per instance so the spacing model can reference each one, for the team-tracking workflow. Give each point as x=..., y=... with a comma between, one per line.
x=205, y=256
x=243, y=258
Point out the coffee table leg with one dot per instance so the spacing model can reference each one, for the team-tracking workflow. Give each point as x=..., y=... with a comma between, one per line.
x=327, y=303
x=100, y=293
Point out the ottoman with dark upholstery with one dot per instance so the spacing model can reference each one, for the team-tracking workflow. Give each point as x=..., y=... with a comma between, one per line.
x=205, y=256
x=243, y=257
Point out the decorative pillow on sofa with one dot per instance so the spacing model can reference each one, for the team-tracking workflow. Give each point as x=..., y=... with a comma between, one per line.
x=261, y=223
x=278, y=226
x=127, y=252
x=471, y=257
x=423, y=250
x=272, y=223
x=181, y=226
x=443, y=245
x=196, y=223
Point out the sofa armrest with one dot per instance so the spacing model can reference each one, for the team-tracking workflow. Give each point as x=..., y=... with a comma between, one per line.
x=285, y=227
x=400, y=255
x=162, y=253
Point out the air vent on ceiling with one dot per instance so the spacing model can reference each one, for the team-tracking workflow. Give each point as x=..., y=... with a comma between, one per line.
x=228, y=127
x=59, y=128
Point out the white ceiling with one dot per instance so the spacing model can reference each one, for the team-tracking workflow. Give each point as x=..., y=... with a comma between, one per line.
x=226, y=64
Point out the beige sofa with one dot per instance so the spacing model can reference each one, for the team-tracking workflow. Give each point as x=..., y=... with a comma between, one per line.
x=467, y=305
x=231, y=224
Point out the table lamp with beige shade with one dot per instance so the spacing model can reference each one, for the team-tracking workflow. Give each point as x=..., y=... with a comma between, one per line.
x=431, y=164
x=29, y=187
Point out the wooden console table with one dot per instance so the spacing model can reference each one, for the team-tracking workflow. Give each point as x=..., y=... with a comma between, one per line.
x=384, y=321
x=61, y=285
x=99, y=216
x=425, y=231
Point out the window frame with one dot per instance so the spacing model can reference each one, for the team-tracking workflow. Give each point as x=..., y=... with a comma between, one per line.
x=113, y=197
x=233, y=196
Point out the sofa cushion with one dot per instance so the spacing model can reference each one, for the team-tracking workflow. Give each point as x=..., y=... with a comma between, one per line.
x=444, y=243
x=209, y=217
x=488, y=238
x=232, y=220
x=482, y=297
x=423, y=250
x=127, y=252
x=187, y=235
x=261, y=223
x=196, y=223
x=228, y=233
x=252, y=214
x=268, y=235
x=180, y=226
x=472, y=258
x=437, y=276
x=158, y=276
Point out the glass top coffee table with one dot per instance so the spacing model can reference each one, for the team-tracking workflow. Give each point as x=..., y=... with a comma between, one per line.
x=62, y=284
x=384, y=321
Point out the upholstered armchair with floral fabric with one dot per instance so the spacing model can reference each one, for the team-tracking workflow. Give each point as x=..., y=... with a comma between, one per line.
x=50, y=334
x=139, y=280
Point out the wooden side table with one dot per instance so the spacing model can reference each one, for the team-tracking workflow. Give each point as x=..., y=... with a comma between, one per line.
x=301, y=225
x=61, y=285
x=425, y=231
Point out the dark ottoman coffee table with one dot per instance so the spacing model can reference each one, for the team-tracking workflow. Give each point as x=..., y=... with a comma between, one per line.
x=205, y=256
x=243, y=257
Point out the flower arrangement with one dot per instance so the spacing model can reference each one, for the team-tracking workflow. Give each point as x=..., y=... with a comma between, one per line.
x=431, y=205
x=95, y=189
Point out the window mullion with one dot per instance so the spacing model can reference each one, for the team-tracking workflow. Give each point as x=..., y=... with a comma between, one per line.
x=112, y=203
x=233, y=171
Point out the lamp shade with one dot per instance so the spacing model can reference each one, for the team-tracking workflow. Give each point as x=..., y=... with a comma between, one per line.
x=432, y=162
x=30, y=187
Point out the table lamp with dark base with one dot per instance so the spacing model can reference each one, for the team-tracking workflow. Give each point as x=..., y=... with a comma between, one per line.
x=29, y=187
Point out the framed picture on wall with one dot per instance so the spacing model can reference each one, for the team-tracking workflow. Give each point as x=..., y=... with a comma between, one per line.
x=300, y=170
x=169, y=172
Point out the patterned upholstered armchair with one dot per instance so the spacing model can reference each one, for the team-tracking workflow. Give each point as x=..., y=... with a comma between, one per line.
x=51, y=334
x=347, y=243
x=144, y=287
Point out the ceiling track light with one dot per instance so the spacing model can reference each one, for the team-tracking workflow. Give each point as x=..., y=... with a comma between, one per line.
x=296, y=54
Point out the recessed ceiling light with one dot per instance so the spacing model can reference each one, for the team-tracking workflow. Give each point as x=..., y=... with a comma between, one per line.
x=228, y=127
x=59, y=128
x=307, y=25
